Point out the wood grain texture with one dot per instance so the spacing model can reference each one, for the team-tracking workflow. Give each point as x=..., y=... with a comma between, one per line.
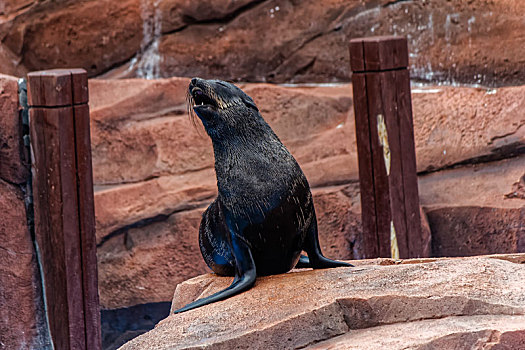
x=396, y=189
x=86, y=209
x=357, y=59
x=64, y=205
x=381, y=188
x=416, y=242
x=382, y=102
x=366, y=175
x=80, y=92
x=56, y=223
x=51, y=88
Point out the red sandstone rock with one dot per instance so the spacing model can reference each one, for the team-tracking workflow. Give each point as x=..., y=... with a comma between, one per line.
x=18, y=287
x=483, y=184
x=145, y=263
x=95, y=35
x=338, y=213
x=454, y=125
x=446, y=302
x=518, y=189
x=176, y=14
x=307, y=41
x=9, y=63
x=13, y=167
x=316, y=123
x=464, y=332
x=471, y=202
x=483, y=230
x=249, y=40
x=147, y=122
x=11, y=8
x=122, y=206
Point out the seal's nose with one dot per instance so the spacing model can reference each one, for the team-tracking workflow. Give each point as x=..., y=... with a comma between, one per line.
x=193, y=84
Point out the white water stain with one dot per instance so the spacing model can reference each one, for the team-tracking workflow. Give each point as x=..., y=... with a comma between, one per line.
x=426, y=91
x=383, y=140
x=394, y=249
x=147, y=61
x=299, y=85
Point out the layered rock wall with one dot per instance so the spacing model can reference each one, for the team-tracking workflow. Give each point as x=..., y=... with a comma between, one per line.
x=262, y=40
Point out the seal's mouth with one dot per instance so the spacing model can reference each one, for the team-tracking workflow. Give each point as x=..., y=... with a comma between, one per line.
x=199, y=98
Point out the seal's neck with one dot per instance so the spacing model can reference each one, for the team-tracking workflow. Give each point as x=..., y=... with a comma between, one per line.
x=252, y=163
x=247, y=146
x=247, y=135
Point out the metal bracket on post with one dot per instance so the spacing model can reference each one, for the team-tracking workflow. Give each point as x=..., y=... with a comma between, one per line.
x=386, y=151
x=64, y=206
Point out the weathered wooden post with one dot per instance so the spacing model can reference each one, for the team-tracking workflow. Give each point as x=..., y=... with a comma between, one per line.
x=386, y=151
x=63, y=205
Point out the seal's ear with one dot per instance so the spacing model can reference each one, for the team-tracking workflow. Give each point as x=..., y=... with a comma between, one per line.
x=249, y=102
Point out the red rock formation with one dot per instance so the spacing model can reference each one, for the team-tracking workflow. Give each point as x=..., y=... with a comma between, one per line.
x=13, y=167
x=254, y=40
x=468, y=211
x=421, y=304
x=18, y=324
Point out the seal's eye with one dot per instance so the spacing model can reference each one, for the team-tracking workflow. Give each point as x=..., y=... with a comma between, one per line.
x=200, y=98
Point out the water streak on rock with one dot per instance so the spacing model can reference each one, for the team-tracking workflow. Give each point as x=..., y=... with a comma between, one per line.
x=147, y=61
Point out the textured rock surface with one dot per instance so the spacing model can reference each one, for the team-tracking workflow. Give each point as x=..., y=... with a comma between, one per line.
x=12, y=165
x=457, y=300
x=484, y=220
x=464, y=332
x=144, y=264
x=254, y=40
x=94, y=35
x=20, y=324
x=154, y=174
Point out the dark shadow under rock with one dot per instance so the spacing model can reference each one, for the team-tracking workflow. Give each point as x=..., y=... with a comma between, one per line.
x=121, y=325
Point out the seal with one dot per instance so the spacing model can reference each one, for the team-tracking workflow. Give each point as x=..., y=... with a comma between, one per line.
x=263, y=216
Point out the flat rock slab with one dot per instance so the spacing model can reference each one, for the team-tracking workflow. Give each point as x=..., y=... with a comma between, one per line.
x=381, y=302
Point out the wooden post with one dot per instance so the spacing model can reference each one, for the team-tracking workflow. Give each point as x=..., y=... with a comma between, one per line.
x=385, y=145
x=63, y=204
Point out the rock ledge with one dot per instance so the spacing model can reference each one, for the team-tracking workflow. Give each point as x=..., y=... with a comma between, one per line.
x=380, y=303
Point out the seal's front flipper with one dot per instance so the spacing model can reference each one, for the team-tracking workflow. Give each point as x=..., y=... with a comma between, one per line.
x=244, y=276
x=315, y=258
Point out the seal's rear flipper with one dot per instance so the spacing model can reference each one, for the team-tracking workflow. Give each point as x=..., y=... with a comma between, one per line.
x=239, y=285
x=244, y=276
x=315, y=258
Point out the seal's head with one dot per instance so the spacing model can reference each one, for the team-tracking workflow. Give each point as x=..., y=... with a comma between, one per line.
x=222, y=107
